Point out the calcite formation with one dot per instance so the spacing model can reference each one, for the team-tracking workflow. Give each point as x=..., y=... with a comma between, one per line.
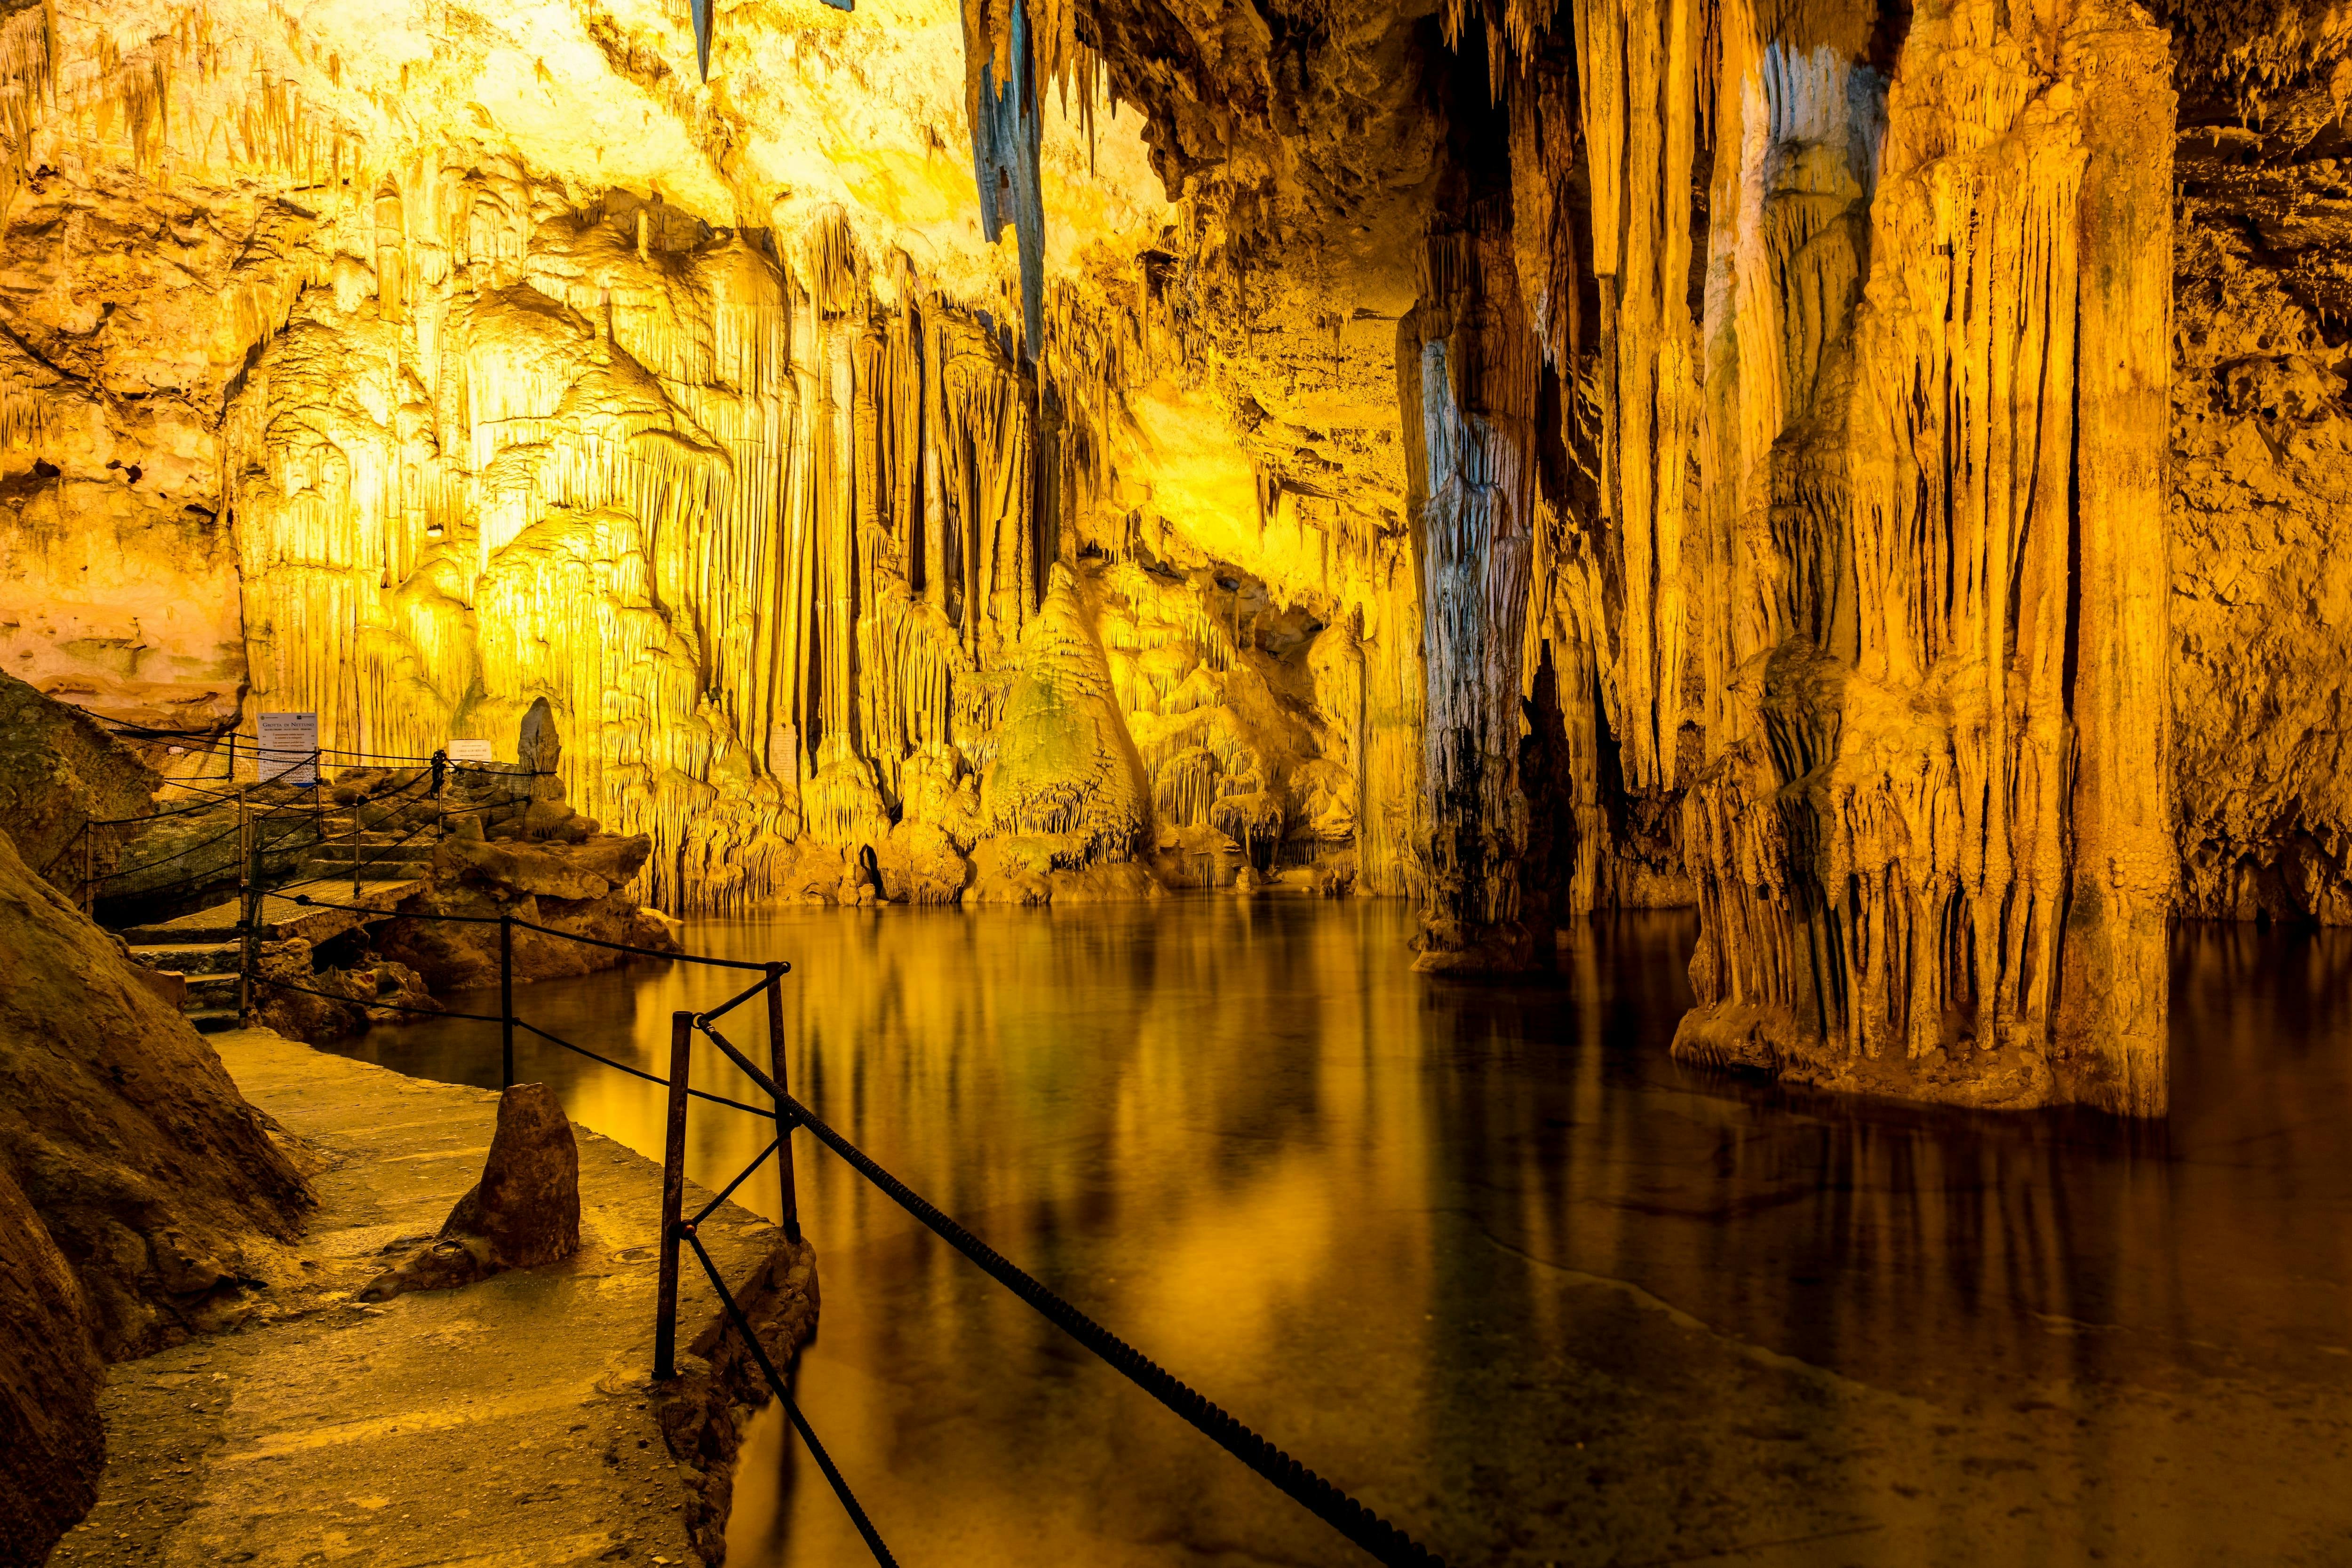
x=1864, y=469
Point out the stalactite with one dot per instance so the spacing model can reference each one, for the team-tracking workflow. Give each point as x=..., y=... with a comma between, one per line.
x=1640, y=119
x=1006, y=125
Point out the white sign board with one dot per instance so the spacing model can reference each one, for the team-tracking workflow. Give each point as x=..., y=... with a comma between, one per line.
x=469, y=751
x=288, y=749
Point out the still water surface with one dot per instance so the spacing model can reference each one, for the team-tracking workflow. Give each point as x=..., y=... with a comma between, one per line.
x=1485, y=1257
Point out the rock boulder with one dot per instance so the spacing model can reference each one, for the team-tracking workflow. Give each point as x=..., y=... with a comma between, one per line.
x=59, y=769
x=161, y=1186
x=523, y=1213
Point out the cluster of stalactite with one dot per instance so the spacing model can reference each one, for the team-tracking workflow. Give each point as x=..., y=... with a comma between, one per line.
x=770, y=532
x=761, y=538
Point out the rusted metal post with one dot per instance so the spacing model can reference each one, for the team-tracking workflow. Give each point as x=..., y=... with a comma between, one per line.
x=792, y=1211
x=506, y=1001
x=249, y=950
x=673, y=1195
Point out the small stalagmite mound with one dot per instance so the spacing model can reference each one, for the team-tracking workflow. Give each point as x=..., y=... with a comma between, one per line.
x=523, y=1214
x=1064, y=767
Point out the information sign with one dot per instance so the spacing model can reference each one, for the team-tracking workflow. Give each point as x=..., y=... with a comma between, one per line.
x=287, y=751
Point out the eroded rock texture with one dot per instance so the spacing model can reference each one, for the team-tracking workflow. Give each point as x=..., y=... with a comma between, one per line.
x=60, y=773
x=51, y=1444
x=160, y=1185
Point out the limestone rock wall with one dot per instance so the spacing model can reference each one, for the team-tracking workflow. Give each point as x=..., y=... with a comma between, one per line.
x=52, y=1446
x=526, y=371
x=157, y=1183
x=60, y=771
x=2262, y=607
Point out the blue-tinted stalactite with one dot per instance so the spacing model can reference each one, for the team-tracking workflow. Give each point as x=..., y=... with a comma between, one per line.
x=702, y=18
x=1005, y=142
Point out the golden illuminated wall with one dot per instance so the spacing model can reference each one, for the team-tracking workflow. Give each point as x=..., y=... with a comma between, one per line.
x=509, y=361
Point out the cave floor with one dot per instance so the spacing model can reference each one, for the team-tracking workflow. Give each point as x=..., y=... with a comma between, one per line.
x=507, y=1422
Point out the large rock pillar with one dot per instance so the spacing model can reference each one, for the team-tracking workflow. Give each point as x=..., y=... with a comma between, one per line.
x=1933, y=841
x=2113, y=1000
x=1468, y=379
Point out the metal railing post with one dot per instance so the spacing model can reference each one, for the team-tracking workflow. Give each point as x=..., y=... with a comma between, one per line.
x=673, y=1195
x=249, y=953
x=791, y=1209
x=506, y=1000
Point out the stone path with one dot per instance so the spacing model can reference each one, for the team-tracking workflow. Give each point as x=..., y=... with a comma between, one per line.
x=506, y=1423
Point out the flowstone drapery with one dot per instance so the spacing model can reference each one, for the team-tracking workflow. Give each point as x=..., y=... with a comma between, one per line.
x=1930, y=846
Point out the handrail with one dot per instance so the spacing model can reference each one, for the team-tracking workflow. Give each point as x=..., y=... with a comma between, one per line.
x=1383, y=1540
x=1328, y=1503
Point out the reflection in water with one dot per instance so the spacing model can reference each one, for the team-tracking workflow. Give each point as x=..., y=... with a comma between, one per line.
x=1485, y=1257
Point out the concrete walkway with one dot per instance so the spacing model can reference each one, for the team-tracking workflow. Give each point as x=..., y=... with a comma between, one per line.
x=506, y=1423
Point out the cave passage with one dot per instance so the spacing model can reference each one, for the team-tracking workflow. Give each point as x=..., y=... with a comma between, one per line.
x=1493, y=1261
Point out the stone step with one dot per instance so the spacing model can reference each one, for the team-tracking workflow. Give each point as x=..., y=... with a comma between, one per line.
x=213, y=1021
x=187, y=958
x=206, y=992
x=280, y=915
x=371, y=845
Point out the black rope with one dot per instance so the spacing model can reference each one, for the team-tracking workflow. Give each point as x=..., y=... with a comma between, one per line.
x=625, y=1067
x=1352, y=1519
x=800, y=1422
x=641, y=952
x=302, y=811
x=741, y=1178
x=371, y=1002
x=737, y=1000
x=181, y=854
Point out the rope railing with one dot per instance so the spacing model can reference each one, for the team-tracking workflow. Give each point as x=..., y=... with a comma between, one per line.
x=306, y=810
x=1383, y=1540
x=1352, y=1519
x=784, y=1396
